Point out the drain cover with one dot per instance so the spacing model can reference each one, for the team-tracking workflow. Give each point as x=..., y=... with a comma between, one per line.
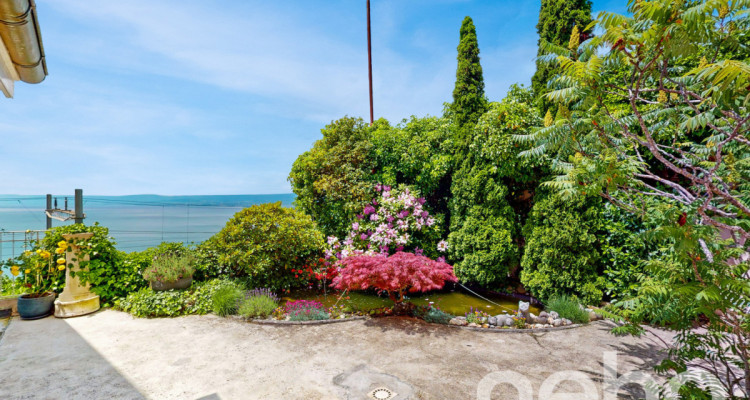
x=382, y=394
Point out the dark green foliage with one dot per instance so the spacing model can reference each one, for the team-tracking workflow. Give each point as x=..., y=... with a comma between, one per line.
x=315, y=315
x=265, y=242
x=433, y=315
x=333, y=180
x=108, y=275
x=417, y=153
x=198, y=299
x=562, y=253
x=226, y=300
x=624, y=252
x=469, y=101
x=568, y=308
x=482, y=241
x=484, y=224
x=556, y=21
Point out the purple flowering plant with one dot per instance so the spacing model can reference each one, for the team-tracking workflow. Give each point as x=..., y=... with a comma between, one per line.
x=395, y=220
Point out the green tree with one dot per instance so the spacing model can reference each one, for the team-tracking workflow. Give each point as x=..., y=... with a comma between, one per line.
x=334, y=179
x=557, y=19
x=484, y=225
x=469, y=101
x=670, y=142
x=562, y=254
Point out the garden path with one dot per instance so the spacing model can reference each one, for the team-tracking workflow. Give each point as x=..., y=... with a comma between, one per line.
x=110, y=354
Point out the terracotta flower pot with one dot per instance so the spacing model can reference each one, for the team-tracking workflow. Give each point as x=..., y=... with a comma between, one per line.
x=35, y=307
x=182, y=283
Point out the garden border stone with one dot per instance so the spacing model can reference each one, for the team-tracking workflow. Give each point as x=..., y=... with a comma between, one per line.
x=516, y=330
x=360, y=318
x=321, y=322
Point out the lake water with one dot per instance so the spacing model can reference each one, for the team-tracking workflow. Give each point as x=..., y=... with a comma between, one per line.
x=135, y=222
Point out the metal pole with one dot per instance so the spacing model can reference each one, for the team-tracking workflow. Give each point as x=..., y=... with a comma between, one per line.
x=369, y=61
x=79, y=206
x=49, y=207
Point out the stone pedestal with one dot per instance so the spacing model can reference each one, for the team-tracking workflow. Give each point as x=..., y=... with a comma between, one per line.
x=76, y=299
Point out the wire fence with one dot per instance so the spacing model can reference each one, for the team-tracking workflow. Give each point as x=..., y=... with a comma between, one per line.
x=13, y=243
x=134, y=223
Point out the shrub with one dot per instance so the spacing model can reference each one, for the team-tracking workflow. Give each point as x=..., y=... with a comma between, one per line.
x=333, y=180
x=395, y=221
x=562, y=249
x=397, y=275
x=569, y=308
x=264, y=243
x=258, y=303
x=417, y=153
x=433, y=315
x=226, y=300
x=624, y=252
x=306, y=310
x=198, y=299
x=169, y=268
x=108, y=275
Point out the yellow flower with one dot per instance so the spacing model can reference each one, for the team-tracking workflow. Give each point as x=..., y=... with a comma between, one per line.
x=575, y=39
x=45, y=254
x=14, y=270
x=548, y=120
x=27, y=253
x=61, y=267
x=39, y=251
x=62, y=244
x=59, y=250
x=662, y=98
x=61, y=261
x=28, y=271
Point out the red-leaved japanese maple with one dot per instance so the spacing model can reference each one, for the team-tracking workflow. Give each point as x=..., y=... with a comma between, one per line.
x=396, y=274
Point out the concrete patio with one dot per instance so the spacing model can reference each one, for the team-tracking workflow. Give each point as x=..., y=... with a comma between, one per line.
x=110, y=354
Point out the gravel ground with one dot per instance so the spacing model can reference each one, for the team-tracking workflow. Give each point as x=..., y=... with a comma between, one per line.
x=110, y=354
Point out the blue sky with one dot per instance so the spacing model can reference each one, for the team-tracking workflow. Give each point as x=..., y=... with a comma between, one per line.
x=198, y=97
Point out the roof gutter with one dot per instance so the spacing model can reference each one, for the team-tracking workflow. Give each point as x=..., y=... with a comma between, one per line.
x=19, y=31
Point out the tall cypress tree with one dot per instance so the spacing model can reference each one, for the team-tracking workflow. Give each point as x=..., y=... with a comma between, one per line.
x=469, y=102
x=557, y=18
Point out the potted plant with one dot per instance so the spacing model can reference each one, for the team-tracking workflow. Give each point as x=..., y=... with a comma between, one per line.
x=170, y=271
x=10, y=289
x=41, y=273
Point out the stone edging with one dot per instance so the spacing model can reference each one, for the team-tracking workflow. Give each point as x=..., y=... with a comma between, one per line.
x=321, y=322
x=516, y=330
x=360, y=318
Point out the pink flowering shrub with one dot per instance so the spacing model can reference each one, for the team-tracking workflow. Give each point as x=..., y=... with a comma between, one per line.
x=394, y=221
x=397, y=275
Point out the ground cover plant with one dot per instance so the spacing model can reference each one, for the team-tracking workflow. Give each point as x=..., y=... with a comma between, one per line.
x=226, y=301
x=198, y=299
x=258, y=303
x=306, y=310
x=433, y=315
x=568, y=308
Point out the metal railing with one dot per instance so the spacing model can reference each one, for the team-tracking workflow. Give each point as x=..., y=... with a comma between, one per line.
x=13, y=243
